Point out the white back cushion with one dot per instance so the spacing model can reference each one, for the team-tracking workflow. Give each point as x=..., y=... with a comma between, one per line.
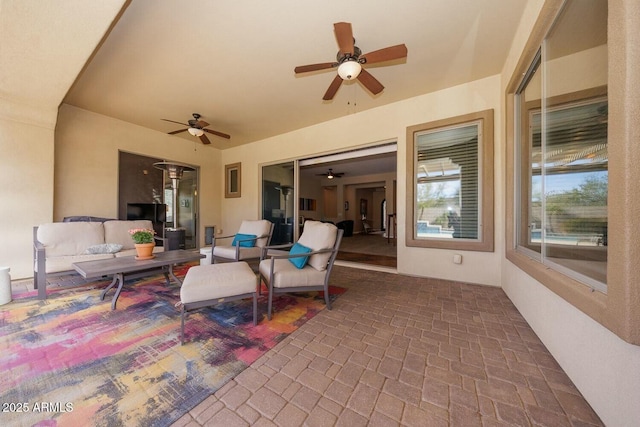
x=318, y=235
x=69, y=238
x=118, y=231
x=257, y=228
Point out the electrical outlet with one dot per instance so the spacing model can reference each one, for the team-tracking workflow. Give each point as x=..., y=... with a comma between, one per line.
x=219, y=230
x=457, y=259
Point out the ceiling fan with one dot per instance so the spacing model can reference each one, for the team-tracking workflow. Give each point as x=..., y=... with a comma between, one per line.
x=331, y=174
x=196, y=127
x=350, y=61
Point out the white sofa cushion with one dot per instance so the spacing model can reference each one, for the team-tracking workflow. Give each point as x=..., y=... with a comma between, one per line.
x=205, y=282
x=64, y=263
x=70, y=238
x=118, y=231
x=318, y=235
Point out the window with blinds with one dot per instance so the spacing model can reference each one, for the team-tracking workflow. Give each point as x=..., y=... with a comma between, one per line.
x=452, y=183
x=447, y=183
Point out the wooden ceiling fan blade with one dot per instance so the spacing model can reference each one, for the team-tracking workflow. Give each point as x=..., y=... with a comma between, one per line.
x=333, y=88
x=370, y=82
x=173, y=121
x=176, y=131
x=344, y=35
x=315, y=67
x=387, y=54
x=204, y=139
x=220, y=134
x=202, y=123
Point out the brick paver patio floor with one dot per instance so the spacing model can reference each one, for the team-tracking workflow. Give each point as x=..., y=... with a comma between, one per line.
x=398, y=350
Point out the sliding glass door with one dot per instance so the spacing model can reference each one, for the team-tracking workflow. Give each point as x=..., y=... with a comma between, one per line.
x=278, y=201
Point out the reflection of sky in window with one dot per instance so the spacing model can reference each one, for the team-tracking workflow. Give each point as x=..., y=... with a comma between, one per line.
x=451, y=188
x=560, y=183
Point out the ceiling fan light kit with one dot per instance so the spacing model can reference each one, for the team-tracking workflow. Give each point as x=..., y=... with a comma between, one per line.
x=350, y=69
x=196, y=131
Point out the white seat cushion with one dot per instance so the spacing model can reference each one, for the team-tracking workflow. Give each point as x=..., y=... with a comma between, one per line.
x=318, y=235
x=205, y=282
x=229, y=252
x=288, y=275
x=64, y=263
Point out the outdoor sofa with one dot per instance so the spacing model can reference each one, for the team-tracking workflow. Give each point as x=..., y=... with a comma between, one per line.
x=57, y=245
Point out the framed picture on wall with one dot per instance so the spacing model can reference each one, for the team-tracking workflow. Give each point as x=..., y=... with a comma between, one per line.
x=232, y=180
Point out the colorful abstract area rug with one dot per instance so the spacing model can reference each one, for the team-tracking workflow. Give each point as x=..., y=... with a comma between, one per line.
x=71, y=361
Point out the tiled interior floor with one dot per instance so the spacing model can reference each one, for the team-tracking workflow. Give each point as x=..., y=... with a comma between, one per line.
x=398, y=350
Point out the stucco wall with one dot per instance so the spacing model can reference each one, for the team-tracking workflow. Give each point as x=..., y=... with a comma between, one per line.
x=26, y=193
x=44, y=47
x=385, y=123
x=86, y=166
x=605, y=369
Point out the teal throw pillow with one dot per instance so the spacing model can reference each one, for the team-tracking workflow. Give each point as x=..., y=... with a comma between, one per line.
x=296, y=249
x=241, y=239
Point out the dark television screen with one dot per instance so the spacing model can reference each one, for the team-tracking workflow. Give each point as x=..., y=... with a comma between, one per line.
x=154, y=212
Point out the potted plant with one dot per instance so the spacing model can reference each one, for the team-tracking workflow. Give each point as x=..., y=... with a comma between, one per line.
x=144, y=242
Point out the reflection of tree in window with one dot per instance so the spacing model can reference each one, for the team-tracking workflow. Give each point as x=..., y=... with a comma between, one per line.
x=572, y=171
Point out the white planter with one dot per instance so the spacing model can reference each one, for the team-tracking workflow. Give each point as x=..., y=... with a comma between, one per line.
x=5, y=285
x=207, y=253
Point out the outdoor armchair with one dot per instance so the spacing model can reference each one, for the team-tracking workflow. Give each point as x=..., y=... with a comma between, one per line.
x=246, y=245
x=306, y=266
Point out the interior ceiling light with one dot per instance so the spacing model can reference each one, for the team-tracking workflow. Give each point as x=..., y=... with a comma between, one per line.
x=330, y=176
x=349, y=69
x=196, y=131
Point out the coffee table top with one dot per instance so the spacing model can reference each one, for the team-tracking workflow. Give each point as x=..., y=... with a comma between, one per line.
x=129, y=264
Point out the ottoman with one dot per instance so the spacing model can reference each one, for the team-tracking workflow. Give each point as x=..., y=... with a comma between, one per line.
x=207, y=285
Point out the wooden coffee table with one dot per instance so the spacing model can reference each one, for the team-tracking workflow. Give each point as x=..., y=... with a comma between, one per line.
x=128, y=267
